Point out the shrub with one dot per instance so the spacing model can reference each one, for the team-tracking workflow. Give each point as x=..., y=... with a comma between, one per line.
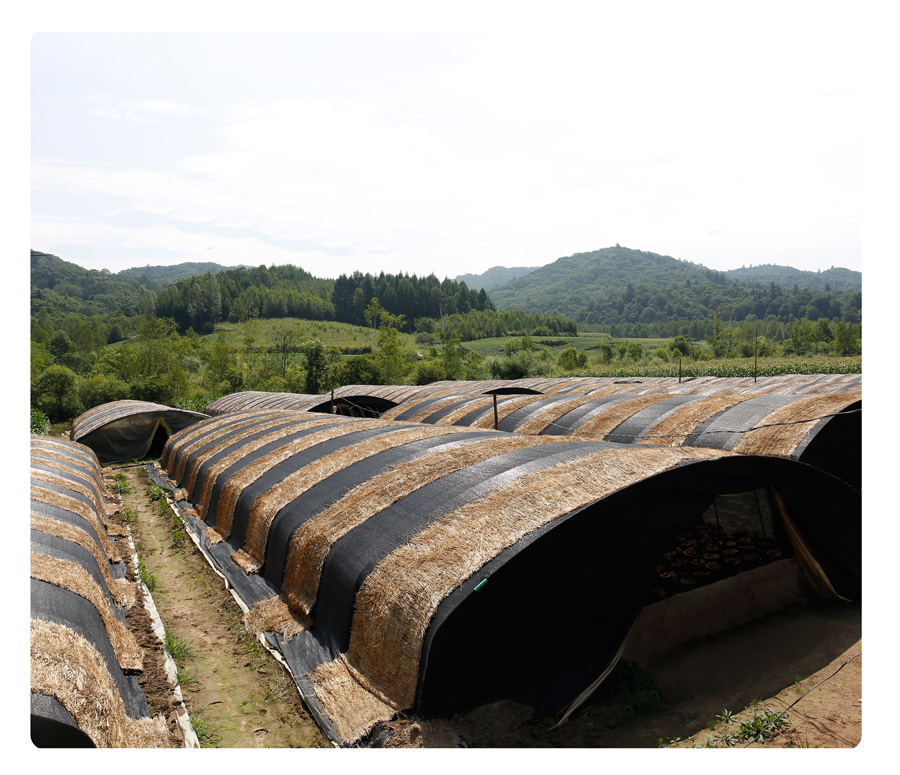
x=40, y=423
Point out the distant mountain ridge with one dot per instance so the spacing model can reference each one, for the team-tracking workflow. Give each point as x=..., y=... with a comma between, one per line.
x=57, y=284
x=608, y=287
x=622, y=285
x=835, y=278
x=496, y=275
x=174, y=272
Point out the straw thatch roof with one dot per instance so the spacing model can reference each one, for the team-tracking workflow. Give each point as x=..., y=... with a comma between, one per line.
x=783, y=384
x=84, y=659
x=396, y=565
x=248, y=400
x=819, y=428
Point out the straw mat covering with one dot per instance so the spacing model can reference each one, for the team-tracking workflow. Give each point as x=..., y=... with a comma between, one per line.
x=782, y=440
x=102, y=414
x=68, y=503
x=338, y=685
x=399, y=597
x=239, y=481
x=833, y=383
x=68, y=484
x=270, y=503
x=271, y=432
x=673, y=429
x=609, y=419
x=311, y=542
x=433, y=401
x=274, y=615
x=504, y=409
x=64, y=446
x=179, y=441
x=121, y=589
x=71, y=576
x=62, y=465
x=545, y=417
x=789, y=383
x=68, y=668
x=453, y=417
x=556, y=386
x=428, y=406
x=186, y=447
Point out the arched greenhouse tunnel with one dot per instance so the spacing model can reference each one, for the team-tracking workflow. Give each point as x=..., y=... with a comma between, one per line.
x=551, y=617
x=449, y=567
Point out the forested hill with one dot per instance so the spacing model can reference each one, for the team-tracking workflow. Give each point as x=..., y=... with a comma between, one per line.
x=834, y=279
x=496, y=275
x=158, y=277
x=620, y=285
x=60, y=287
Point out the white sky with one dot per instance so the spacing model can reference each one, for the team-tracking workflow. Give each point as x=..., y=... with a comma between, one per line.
x=452, y=144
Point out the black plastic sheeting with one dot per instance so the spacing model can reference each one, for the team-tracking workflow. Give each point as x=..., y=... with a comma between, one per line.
x=557, y=603
x=52, y=725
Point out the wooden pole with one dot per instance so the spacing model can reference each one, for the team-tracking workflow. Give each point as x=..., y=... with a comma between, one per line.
x=755, y=352
x=496, y=420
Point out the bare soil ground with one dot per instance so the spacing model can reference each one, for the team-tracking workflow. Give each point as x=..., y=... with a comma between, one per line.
x=238, y=695
x=805, y=660
x=768, y=664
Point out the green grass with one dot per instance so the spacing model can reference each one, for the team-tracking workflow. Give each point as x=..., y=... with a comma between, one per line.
x=208, y=732
x=493, y=348
x=181, y=650
x=185, y=678
x=331, y=333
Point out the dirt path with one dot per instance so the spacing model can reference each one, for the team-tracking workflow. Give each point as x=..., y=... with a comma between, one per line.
x=238, y=695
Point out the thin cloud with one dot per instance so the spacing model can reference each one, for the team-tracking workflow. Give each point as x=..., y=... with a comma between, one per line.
x=508, y=148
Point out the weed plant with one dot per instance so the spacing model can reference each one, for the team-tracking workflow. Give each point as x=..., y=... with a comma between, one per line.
x=185, y=679
x=764, y=723
x=40, y=423
x=155, y=493
x=147, y=578
x=181, y=650
x=208, y=732
x=638, y=693
x=120, y=485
